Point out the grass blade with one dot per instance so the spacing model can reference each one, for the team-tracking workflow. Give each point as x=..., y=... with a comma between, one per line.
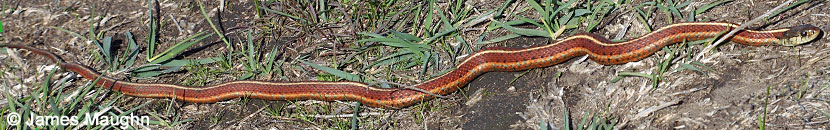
x=281, y=13
x=538, y=8
x=178, y=48
x=692, y=67
x=566, y=120
x=523, y=31
x=335, y=72
x=787, y=8
x=628, y=74
x=151, y=40
x=215, y=29
x=133, y=50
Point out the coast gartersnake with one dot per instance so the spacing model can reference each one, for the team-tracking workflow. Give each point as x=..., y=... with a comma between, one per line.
x=598, y=49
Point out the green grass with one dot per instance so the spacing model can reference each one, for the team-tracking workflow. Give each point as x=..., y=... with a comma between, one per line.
x=79, y=104
x=670, y=9
x=557, y=17
x=309, y=17
x=48, y=100
x=793, y=5
x=115, y=62
x=198, y=73
x=668, y=60
x=664, y=65
x=420, y=111
x=589, y=121
x=563, y=17
x=215, y=29
x=762, y=118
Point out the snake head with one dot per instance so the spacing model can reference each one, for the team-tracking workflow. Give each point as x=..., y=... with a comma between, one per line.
x=799, y=35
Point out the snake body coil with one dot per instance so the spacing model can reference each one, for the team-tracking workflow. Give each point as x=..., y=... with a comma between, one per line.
x=598, y=49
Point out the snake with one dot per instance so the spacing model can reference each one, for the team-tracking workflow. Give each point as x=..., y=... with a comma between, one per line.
x=597, y=48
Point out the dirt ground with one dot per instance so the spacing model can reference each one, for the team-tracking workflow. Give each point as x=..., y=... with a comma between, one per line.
x=730, y=96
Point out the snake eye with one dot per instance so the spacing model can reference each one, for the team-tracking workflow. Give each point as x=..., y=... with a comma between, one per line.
x=804, y=34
